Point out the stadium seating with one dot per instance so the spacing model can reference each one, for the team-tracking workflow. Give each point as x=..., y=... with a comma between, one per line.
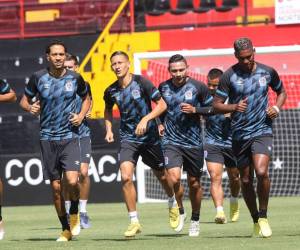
x=228, y=5
x=182, y=7
x=205, y=5
x=159, y=7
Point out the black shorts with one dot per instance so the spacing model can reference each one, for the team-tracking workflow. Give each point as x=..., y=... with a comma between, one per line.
x=60, y=156
x=151, y=154
x=218, y=154
x=244, y=149
x=190, y=158
x=85, y=149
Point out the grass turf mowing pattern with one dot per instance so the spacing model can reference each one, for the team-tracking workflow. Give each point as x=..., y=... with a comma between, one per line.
x=37, y=227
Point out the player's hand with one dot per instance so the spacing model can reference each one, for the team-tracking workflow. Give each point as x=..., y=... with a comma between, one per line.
x=272, y=112
x=109, y=137
x=141, y=128
x=242, y=105
x=35, y=108
x=187, y=108
x=75, y=119
x=161, y=130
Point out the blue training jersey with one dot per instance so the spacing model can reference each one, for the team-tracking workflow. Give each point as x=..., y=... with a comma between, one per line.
x=218, y=130
x=134, y=102
x=4, y=87
x=183, y=129
x=84, y=129
x=57, y=99
x=236, y=85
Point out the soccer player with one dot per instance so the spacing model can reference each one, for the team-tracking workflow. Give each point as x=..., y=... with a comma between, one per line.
x=246, y=84
x=139, y=134
x=218, y=152
x=72, y=64
x=6, y=95
x=182, y=143
x=56, y=89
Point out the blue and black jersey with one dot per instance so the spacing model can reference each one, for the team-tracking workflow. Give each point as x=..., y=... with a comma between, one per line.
x=218, y=131
x=183, y=129
x=57, y=99
x=236, y=85
x=134, y=102
x=84, y=129
x=4, y=87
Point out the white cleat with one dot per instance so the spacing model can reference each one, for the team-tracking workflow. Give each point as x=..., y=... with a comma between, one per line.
x=194, y=228
x=1, y=230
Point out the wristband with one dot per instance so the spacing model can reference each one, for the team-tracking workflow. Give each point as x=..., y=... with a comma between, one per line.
x=276, y=108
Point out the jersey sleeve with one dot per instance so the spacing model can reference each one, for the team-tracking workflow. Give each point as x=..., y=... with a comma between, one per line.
x=150, y=89
x=81, y=87
x=4, y=87
x=109, y=101
x=204, y=97
x=276, y=83
x=31, y=87
x=223, y=88
x=88, y=87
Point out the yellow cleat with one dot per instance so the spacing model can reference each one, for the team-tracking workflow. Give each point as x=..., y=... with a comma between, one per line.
x=65, y=236
x=234, y=212
x=174, y=217
x=75, y=224
x=133, y=229
x=265, y=229
x=220, y=218
x=256, y=230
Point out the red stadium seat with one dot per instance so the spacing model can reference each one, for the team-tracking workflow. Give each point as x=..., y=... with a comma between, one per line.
x=183, y=6
x=228, y=5
x=205, y=5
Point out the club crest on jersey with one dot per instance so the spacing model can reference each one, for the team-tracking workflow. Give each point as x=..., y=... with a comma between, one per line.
x=46, y=85
x=188, y=95
x=239, y=81
x=167, y=94
x=136, y=94
x=69, y=86
x=262, y=81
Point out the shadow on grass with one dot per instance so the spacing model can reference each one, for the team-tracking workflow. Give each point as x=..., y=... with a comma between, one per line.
x=230, y=237
x=165, y=235
x=123, y=240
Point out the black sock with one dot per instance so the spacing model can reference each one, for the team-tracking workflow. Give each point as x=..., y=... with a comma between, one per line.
x=195, y=216
x=263, y=213
x=255, y=217
x=74, y=207
x=0, y=213
x=64, y=222
x=181, y=210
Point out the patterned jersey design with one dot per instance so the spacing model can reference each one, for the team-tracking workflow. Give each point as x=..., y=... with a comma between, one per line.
x=183, y=129
x=134, y=102
x=57, y=99
x=237, y=85
x=84, y=129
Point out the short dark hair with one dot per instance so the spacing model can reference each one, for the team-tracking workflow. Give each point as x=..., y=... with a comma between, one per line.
x=242, y=44
x=70, y=57
x=55, y=42
x=214, y=73
x=177, y=58
x=119, y=53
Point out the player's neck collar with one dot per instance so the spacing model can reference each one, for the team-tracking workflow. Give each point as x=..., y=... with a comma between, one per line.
x=57, y=73
x=125, y=81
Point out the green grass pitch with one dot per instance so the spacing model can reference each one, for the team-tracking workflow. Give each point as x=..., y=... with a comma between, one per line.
x=37, y=227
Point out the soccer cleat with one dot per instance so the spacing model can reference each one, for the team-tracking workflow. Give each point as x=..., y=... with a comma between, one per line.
x=65, y=236
x=1, y=230
x=265, y=229
x=256, y=230
x=234, y=211
x=220, y=218
x=75, y=224
x=133, y=229
x=182, y=218
x=174, y=217
x=194, y=228
x=84, y=221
